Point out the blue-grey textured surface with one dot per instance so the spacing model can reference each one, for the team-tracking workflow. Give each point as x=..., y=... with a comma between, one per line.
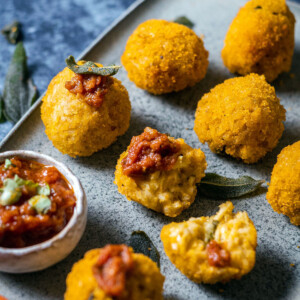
x=52, y=30
x=111, y=218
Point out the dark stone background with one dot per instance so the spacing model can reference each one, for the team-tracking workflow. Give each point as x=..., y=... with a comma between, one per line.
x=52, y=30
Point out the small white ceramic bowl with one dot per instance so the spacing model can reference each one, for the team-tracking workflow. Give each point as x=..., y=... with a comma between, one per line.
x=48, y=253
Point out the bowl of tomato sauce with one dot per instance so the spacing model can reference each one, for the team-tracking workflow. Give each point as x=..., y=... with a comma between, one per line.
x=43, y=211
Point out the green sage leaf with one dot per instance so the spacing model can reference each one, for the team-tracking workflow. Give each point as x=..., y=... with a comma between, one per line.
x=2, y=117
x=12, y=32
x=40, y=203
x=32, y=93
x=91, y=68
x=11, y=192
x=184, y=21
x=19, y=91
x=219, y=187
x=141, y=243
x=43, y=190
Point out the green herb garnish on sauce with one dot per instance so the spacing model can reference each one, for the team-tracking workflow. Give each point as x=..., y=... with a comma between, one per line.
x=28, y=183
x=40, y=203
x=11, y=192
x=43, y=190
x=8, y=164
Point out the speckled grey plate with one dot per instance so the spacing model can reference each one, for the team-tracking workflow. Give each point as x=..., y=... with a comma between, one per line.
x=111, y=218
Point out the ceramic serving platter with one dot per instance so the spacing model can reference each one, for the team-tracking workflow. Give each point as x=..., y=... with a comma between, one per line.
x=111, y=218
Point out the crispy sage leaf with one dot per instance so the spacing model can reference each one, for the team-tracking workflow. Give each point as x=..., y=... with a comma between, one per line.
x=219, y=187
x=12, y=32
x=141, y=243
x=91, y=68
x=19, y=91
x=184, y=21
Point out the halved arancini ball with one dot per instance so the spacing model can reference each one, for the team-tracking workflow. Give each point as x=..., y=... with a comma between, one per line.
x=160, y=172
x=212, y=249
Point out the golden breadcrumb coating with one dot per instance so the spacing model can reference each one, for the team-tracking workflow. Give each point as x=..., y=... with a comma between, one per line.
x=169, y=192
x=163, y=57
x=284, y=189
x=260, y=39
x=242, y=117
x=145, y=282
x=185, y=245
x=78, y=129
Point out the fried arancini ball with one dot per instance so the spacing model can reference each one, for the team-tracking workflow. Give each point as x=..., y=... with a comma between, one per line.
x=260, y=39
x=169, y=191
x=163, y=57
x=212, y=249
x=241, y=117
x=144, y=281
x=77, y=128
x=284, y=189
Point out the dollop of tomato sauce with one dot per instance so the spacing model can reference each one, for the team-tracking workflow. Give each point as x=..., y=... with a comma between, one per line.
x=20, y=224
x=149, y=152
x=217, y=256
x=115, y=262
x=92, y=87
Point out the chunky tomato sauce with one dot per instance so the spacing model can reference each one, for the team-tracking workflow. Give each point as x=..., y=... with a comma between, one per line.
x=217, y=256
x=149, y=152
x=113, y=265
x=20, y=224
x=92, y=87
